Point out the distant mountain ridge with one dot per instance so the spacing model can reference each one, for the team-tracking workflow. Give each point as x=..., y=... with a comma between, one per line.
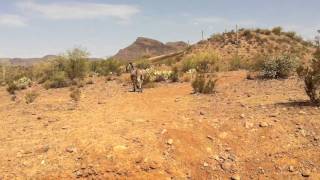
x=26, y=61
x=146, y=47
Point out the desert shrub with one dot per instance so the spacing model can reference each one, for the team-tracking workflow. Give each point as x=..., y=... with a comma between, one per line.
x=247, y=33
x=76, y=63
x=153, y=75
x=316, y=54
x=311, y=76
x=236, y=63
x=57, y=80
x=174, y=77
x=203, y=62
x=75, y=94
x=143, y=64
x=201, y=85
x=217, y=37
x=188, y=64
x=277, y=30
x=278, y=66
x=109, y=66
x=30, y=97
x=12, y=88
x=265, y=31
x=291, y=34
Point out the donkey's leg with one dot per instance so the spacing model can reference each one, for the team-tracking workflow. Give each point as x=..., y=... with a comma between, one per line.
x=140, y=85
x=134, y=86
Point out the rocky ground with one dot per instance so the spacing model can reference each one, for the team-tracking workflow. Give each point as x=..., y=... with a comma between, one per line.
x=249, y=129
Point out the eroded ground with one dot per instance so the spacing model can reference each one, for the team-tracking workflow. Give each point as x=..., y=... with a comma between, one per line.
x=249, y=129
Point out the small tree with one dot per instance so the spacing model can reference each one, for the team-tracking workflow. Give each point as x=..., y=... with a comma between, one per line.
x=76, y=60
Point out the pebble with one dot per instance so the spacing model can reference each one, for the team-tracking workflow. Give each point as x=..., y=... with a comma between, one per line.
x=242, y=116
x=43, y=149
x=201, y=113
x=227, y=166
x=291, y=168
x=205, y=164
x=248, y=125
x=302, y=112
x=263, y=124
x=163, y=131
x=210, y=137
x=71, y=149
x=236, y=177
x=306, y=173
x=170, y=141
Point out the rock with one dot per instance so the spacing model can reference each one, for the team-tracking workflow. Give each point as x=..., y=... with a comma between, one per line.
x=273, y=115
x=170, y=141
x=163, y=131
x=42, y=149
x=263, y=124
x=236, y=177
x=248, y=125
x=210, y=137
x=205, y=164
x=302, y=112
x=306, y=173
x=201, y=113
x=71, y=149
x=120, y=148
x=291, y=169
x=242, y=116
x=154, y=165
x=227, y=166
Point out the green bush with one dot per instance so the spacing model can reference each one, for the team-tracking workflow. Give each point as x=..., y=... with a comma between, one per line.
x=31, y=97
x=175, y=74
x=277, y=30
x=57, y=80
x=143, y=64
x=278, y=67
x=109, y=66
x=203, y=62
x=311, y=77
x=12, y=88
x=201, y=85
x=188, y=64
x=291, y=34
x=236, y=63
x=76, y=61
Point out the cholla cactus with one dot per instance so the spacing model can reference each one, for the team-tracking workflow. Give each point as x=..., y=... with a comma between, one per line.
x=23, y=83
x=157, y=75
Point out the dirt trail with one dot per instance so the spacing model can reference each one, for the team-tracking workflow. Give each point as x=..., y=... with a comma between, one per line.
x=252, y=129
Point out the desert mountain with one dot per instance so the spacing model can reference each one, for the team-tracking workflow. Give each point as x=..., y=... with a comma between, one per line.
x=145, y=47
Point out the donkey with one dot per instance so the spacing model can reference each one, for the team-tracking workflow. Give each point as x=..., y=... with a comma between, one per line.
x=137, y=77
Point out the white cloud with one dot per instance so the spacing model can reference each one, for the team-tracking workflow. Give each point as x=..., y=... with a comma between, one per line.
x=11, y=20
x=79, y=10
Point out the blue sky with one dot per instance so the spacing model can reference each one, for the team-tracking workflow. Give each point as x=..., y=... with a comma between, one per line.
x=34, y=28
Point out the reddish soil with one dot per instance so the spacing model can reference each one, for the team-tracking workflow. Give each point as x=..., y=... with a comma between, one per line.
x=249, y=129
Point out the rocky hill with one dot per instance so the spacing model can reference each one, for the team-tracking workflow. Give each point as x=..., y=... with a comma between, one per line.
x=249, y=44
x=145, y=47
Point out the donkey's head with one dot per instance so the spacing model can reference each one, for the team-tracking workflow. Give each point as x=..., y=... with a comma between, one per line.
x=129, y=67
